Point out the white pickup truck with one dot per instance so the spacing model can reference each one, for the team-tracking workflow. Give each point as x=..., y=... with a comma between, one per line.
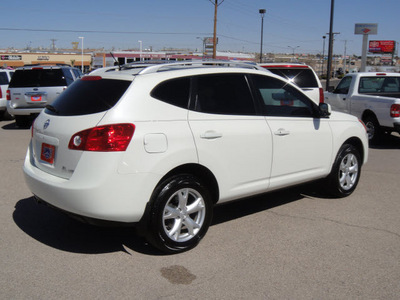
x=372, y=97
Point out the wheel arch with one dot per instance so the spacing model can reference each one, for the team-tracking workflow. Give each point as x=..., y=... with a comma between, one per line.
x=199, y=171
x=368, y=113
x=357, y=143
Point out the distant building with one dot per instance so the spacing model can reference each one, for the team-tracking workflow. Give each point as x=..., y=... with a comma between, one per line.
x=123, y=57
x=20, y=59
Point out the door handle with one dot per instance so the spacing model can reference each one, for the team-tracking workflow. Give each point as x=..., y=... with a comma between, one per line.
x=281, y=132
x=210, y=135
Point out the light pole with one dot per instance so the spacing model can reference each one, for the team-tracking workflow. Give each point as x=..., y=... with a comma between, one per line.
x=323, y=53
x=140, y=50
x=293, y=48
x=81, y=37
x=262, y=13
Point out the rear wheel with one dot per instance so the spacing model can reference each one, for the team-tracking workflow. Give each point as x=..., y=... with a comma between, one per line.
x=373, y=129
x=181, y=214
x=345, y=172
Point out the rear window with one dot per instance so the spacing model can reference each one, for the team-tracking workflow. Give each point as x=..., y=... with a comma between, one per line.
x=38, y=78
x=379, y=85
x=303, y=78
x=86, y=97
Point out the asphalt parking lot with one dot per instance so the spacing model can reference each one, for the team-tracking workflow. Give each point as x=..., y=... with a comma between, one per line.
x=291, y=244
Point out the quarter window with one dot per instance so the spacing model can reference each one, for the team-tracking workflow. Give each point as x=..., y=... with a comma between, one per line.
x=174, y=91
x=280, y=99
x=224, y=94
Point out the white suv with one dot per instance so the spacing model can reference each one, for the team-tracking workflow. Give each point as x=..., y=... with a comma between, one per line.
x=5, y=77
x=33, y=87
x=160, y=145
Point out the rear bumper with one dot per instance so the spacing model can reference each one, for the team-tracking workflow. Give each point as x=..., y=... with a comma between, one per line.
x=93, y=195
x=3, y=104
x=23, y=111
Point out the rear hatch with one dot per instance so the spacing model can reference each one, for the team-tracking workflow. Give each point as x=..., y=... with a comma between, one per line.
x=36, y=87
x=80, y=107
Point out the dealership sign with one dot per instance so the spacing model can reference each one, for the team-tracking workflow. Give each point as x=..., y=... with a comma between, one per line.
x=366, y=28
x=11, y=57
x=382, y=46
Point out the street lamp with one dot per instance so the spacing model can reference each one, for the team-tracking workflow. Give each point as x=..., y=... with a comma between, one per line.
x=140, y=50
x=81, y=37
x=262, y=13
x=293, y=48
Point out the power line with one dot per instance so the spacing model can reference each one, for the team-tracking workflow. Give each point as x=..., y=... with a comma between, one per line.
x=100, y=31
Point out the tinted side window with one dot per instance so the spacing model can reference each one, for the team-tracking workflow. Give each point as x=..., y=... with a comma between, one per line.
x=3, y=78
x=301, y=77
x=85, y=97
x=280, y=99
x=68, y=76
x=38, y=78
x=343, y=86
x=174, y=91
x=224, y=94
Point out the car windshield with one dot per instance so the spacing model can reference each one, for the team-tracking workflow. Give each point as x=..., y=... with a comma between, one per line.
x=85, y=97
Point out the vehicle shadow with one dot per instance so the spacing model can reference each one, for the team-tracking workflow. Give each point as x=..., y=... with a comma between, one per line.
x=12, y=126
x=55, y=229
x=388, y=141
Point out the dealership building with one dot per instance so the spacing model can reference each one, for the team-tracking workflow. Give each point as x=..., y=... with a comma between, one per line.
x=92, y=59
x=20, y=59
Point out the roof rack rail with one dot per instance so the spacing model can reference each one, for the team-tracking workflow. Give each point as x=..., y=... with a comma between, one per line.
x=168, y=66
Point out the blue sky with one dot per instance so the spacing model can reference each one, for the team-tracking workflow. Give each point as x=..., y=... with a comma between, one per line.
x=180, y=24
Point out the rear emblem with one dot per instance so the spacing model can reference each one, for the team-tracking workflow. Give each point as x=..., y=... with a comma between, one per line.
x=46, y=124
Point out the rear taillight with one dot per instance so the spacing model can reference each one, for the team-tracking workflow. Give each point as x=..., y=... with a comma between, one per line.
x=8, y=95
x=1, y=93
x=395, y=110
x=321, y=95
x=107, y=138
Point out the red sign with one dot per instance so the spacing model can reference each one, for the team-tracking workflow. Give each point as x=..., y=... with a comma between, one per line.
x=382, y=46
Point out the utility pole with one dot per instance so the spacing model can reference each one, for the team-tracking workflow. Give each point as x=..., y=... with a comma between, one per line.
x=216, y=4
x=330, y=47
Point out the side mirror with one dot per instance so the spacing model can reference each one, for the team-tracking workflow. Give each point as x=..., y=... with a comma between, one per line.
x=331, y=89
x=324, y=110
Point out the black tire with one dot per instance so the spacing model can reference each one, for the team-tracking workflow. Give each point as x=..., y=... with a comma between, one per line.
x=172, y=228
x=345, y=173
x=373, y=129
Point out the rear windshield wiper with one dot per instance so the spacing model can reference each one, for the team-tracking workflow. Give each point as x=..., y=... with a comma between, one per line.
x=52, y=108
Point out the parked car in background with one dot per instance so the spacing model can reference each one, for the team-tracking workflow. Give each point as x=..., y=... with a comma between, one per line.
x=300, y=74
x=372, y=97
x=33, y=87
x=5, y=77
x=158, y=146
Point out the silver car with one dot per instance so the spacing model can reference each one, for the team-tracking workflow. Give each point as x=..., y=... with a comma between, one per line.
x=34, y=87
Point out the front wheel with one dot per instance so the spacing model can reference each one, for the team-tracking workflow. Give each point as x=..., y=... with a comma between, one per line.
x=345, y=172
x=181, y=214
